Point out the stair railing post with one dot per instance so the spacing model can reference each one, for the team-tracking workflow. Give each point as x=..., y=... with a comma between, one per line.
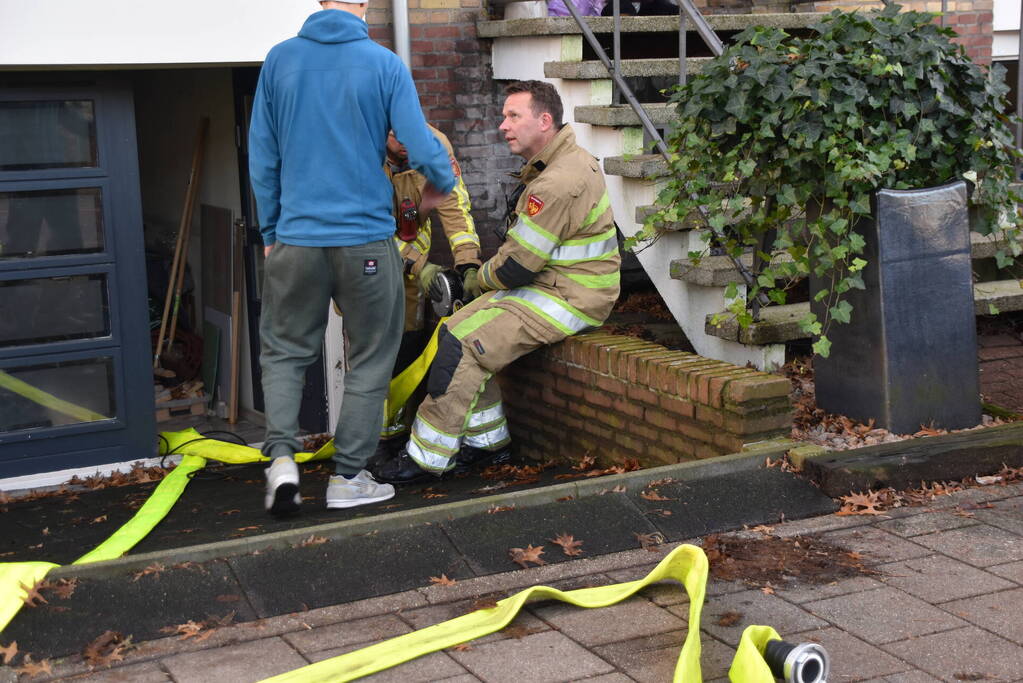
x=616, y=95
x=683, y=30
x=644, y=118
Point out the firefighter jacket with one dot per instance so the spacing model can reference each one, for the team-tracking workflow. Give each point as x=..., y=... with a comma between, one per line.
x=453, y=212
x=558, y=269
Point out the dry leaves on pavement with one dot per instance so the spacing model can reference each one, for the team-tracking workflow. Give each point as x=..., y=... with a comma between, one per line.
x=33, y=598
x=108, y=648
x=442, y=580
x=153, y=570
x=568, y=544
x=524, y=556
x=31, y=668
x=62, y=589
x=9, y=652
x=650, y=541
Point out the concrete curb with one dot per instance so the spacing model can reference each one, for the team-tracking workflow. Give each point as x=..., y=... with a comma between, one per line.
x=751, y=459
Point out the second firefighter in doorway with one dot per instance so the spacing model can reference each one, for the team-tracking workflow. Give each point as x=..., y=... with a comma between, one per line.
x=556, y=274
x=413, y=238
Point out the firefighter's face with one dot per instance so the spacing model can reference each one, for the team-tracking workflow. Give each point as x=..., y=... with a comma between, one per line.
x=525, y=132
x=395, y=149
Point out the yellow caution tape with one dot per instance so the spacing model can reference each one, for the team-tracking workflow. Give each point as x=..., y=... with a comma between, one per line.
x=401, y=389
x=686, y=564
x=49, y=400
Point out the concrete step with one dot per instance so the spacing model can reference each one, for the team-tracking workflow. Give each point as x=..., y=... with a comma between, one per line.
x=780, y=324
x=636, y=166
x=589, y=70
x=661, y=113
x=718, y=271
x=554, y=26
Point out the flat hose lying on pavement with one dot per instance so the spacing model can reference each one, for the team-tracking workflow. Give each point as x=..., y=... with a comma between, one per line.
x=686, y=564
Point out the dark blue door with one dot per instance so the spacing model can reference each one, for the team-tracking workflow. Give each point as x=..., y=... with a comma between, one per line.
x=76, y=383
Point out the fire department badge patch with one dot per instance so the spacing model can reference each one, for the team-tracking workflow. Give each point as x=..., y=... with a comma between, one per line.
x=454, y=168
x=534, y=205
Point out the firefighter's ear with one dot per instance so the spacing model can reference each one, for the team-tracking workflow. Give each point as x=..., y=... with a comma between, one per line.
x=546, y=121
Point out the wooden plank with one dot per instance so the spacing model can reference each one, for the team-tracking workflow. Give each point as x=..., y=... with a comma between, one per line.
x=905, y=464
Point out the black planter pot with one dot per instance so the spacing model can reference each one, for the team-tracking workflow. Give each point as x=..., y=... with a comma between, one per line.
x=909, y=356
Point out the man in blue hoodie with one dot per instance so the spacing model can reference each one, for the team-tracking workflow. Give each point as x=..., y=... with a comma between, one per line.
x=323, y=108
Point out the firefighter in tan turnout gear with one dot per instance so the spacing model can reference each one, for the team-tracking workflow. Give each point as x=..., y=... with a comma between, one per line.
x=556, y=274
x=413, y=239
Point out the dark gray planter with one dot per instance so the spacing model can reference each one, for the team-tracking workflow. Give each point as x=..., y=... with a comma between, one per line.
x=909, y=356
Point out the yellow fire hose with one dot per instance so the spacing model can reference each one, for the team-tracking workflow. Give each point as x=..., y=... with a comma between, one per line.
x=687, y=564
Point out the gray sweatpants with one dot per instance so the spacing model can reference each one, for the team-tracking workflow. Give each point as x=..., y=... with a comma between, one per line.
x=298, y=285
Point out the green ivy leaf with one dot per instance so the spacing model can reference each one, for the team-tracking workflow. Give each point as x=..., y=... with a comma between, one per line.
x=822, y=347
x=841, y=311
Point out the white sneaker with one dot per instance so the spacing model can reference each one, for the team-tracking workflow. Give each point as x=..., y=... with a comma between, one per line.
x=282, y=496
x=361, y=489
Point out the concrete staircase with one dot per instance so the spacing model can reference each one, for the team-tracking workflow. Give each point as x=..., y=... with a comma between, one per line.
x=553, y=49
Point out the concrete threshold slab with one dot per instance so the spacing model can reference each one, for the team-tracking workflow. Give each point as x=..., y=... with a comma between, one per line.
x=635, y=481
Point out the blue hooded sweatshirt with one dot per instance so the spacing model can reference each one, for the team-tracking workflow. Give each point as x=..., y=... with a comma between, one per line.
x=324, y=104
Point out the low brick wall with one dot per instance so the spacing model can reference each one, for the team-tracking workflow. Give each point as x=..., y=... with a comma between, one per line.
x=618, y=397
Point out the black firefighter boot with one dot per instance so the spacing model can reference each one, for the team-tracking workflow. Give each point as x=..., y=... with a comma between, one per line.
x=470, y=458
x=401, y=469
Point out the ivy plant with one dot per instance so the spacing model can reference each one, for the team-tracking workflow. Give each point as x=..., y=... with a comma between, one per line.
x=781, y=141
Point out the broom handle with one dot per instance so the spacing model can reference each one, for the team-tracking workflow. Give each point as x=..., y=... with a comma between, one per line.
x=186, y=222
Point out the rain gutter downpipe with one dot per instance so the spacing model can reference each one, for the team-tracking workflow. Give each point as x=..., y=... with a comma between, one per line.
x=399, y=16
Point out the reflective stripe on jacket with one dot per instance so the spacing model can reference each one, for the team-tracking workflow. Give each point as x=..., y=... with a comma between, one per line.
x=560, y=263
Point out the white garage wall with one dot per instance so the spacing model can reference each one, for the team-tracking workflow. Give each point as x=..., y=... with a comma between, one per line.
x=36, y=33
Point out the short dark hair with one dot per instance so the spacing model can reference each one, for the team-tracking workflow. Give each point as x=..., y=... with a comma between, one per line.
x=545, y=98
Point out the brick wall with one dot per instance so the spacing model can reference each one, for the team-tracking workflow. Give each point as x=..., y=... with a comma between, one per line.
x=618, y=397
x=1001, y=370
x=970, y=19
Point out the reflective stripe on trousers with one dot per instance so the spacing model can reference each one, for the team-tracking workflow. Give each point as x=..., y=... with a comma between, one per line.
x=487, y=428
x=432, y=449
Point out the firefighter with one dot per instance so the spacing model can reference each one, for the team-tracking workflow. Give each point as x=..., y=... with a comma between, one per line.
x=413, y=238
x=556, y=274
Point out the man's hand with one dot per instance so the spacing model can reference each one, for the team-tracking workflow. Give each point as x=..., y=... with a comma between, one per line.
x=267, y=250
x=471, y=282
x=427, y=275
x=431, y=199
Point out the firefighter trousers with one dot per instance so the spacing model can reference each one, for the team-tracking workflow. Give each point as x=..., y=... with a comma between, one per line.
x=463, y=402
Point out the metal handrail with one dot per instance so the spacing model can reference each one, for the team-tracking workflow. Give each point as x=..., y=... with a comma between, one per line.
x=613, y=68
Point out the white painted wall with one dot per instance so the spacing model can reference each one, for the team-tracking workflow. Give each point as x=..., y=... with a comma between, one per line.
x=1005, y=24
x=128, y=32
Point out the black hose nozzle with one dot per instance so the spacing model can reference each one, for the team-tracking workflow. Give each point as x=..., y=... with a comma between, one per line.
x=797, y=663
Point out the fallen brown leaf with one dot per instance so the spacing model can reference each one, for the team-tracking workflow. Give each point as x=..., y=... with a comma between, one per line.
x=652, y=495
x=154, y=570
x=524, y=556
x=228, y=598
x=62, y=588
x=32, y=668
x=32, y=595
x=730, y=618
x=9, y=652
x=248, y=528
x=312, y=540
x=462, y=647
x=189, y=629
x=442, y=580
x=861, y=504
x=106, y=649
x=519, y=632
x=650, y=541
x=568, y=544
x=98, y=520
x=493, y=509
x=767, y=590
x=484, y=603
